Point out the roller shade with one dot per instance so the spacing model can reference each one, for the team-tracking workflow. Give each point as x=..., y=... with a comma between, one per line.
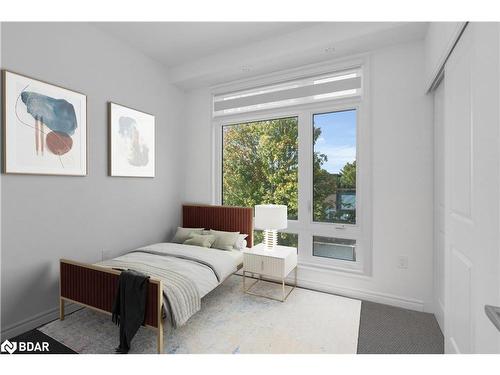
x=325, y=87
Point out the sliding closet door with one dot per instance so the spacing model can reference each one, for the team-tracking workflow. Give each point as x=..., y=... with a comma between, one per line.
x=472, y=190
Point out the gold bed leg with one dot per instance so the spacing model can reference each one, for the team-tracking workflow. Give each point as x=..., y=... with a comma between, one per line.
x=61, y=309
x=160, y=338
x=159, y=335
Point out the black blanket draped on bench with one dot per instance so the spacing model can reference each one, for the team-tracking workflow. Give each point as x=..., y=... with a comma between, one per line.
x=129, y=307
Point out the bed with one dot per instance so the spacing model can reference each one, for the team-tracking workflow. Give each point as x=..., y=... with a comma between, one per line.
x=175, y=270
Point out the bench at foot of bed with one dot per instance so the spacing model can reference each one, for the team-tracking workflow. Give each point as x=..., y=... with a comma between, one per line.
x=96, y=287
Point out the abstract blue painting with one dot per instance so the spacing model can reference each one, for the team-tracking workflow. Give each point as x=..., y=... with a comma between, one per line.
x=56, y=114
x=45, y=128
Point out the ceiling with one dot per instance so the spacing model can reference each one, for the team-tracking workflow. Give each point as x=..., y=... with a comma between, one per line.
x=199, y=54
x=175, y=43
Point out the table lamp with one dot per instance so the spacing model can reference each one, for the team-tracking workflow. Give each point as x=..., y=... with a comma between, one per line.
x=270, y=218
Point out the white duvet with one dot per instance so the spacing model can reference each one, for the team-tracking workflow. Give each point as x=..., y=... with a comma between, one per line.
x=151, y=260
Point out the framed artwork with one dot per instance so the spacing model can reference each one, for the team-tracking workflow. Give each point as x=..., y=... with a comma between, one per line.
x=44, y=127
x=131, y=142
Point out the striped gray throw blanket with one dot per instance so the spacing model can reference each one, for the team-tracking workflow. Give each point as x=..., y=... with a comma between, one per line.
x=182, y=297
x=186, y=275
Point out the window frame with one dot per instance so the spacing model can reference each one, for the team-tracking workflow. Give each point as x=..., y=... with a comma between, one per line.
x=305, y=226
x=355, y=231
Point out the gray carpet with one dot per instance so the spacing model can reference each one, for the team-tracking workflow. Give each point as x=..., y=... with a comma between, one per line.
x=390, y=330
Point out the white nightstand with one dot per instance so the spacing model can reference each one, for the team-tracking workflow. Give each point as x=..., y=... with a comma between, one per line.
x=276, y=263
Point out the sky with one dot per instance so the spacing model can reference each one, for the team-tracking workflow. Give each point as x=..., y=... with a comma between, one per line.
x=337, y=139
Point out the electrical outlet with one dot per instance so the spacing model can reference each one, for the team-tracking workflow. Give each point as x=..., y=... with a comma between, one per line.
x=403, y=262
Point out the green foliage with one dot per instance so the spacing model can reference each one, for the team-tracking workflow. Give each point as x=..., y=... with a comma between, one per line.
x=260, y=164
x=347, y=176
x=328, y=187
x=324, y=182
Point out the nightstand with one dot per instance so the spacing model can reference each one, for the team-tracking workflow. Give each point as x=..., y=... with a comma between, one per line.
x=276, y=263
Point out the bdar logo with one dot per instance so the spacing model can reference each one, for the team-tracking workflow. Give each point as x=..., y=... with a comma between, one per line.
x=8, y=346
x=21, y=346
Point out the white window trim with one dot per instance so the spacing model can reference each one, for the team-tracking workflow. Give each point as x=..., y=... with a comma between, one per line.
x=305, y=227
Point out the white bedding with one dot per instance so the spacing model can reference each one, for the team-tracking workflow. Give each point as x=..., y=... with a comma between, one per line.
x=225, y=263
x=237, y=255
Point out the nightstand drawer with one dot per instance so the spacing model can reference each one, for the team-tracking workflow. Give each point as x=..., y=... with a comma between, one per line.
x=263, y=265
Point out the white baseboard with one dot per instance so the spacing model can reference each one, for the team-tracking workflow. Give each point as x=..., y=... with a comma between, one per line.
x=35, y=321
x=362, y=294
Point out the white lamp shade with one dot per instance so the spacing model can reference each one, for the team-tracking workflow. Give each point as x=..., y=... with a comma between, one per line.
x=271, y=216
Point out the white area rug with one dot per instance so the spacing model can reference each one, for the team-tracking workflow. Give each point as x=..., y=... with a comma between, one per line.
x=232, y=322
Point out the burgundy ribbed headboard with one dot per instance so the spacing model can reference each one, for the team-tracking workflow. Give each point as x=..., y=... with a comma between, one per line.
x=226, y=218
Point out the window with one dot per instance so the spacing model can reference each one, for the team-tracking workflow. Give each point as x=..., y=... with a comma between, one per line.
x=334, y=167
x=258, y=141
x=260, y=164
x=334, y=248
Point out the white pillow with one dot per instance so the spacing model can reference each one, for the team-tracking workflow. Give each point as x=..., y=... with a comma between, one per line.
x=225, y=240
x=182, y=234
x=200, y=240
x=241, y=243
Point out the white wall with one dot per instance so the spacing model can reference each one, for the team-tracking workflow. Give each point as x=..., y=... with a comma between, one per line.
x=45, y=218
x=402, y=167
x=199, y=146
x=439, y=205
